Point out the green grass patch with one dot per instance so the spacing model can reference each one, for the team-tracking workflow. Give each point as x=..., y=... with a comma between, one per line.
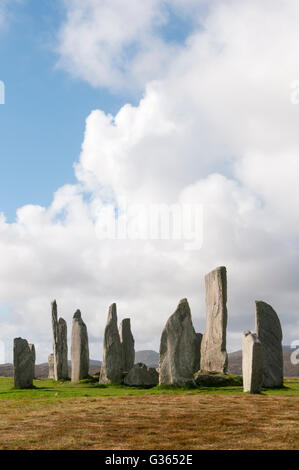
x=48, y=388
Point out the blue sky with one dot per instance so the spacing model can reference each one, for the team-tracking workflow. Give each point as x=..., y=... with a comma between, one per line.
x=42, y=122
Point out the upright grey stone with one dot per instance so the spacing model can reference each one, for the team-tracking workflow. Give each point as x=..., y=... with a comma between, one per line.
x=23, y=364
x=51, y=366
x=213, y=346
x=268, y=330
x=79, y=349
x=179, y=348
x=252, y=363
x=112, y=365
x=32, y=350
x=60, y=349
x=127, y=344
x=142, y=376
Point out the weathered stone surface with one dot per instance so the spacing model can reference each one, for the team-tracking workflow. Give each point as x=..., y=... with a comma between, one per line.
x=179, y=348
x=127, y=344
x=252, y=363
x=213, y=345
x=268, y=330
x=79, y=348
x=23, y=364
x=142, y=376
x=112, y=365
x=32, y=350
x=214, y=380
x=60, y=349
x=51, y=366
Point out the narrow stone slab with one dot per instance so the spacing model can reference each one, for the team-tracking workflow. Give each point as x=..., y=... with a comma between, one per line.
x=127, y=344
x=213, y=345
x=142, y=376
x=112, y=365
x=60, y=348
x=79, y=348
x=33, y=353
x=51, y=366
x=252, y=363
x=269, y=332
x=23, y=364
x=179, y=348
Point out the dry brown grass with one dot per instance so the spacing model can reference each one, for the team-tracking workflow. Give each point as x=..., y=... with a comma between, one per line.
x=152, y=422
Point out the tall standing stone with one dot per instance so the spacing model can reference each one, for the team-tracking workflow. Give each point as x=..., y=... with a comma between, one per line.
x=33, y=354
x=79, y=349
x=23, y=364
x=60, y=349
x=51, y=366
x=127, y=344
x=179, y=348
x=268, y=330
x=112, y=365
x=213, y=346
x=252, y=363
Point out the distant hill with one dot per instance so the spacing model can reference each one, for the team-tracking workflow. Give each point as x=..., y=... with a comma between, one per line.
x=151, y=359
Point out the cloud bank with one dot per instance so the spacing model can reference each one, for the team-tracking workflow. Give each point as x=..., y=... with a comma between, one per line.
x=215, y=126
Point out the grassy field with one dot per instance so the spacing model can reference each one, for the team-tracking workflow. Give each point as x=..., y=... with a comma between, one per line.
x=62, y=415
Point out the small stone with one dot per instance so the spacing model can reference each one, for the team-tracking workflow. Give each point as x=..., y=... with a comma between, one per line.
x=23, y=364
x=79, y=349
x=142, y=376
x=252, y=363
x=268, y=330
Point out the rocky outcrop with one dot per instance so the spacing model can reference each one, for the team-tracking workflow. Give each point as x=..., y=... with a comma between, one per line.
x=142, y=376
x=213, y=346
x=112, y=365
x=127, y=344
x=252, y=363
x=23, y=363
x=60, y=349
x=268, y=330
x=79, y=348
x=179, y=348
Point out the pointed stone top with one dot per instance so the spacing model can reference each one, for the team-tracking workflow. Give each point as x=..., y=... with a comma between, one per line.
x=183, y=301
x=112, y=314
x=77, y=315
x=54, y=303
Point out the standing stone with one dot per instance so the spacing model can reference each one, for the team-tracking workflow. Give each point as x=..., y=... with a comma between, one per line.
x=213, y=346
x=60, y=348
x=51, y=366
x=268, y=330
x=79, y=349
x=127, y=344
x=112, y=365
x=252, y=363
x=32, y=350
x=23, y=364
x=142, y=376
x=179, y=348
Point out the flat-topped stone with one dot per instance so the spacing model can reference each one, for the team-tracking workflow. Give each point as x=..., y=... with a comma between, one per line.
x=127, y=344
x=213, y=346
x=23, y=363
x=252, y=363
x=142, y=376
